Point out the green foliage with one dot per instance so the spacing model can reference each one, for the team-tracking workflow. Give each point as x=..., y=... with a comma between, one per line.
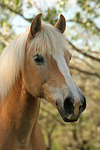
x=62, y=5
x=51, y=16
x=88, y=14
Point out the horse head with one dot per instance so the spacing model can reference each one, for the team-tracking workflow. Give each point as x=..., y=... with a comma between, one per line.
x=46, y=69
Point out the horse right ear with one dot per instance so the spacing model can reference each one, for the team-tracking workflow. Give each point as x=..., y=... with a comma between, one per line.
x=36, y=24
x=61, y=24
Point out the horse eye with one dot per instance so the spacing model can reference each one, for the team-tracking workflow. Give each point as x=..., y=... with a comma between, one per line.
x=39, y=60
x=70, y=57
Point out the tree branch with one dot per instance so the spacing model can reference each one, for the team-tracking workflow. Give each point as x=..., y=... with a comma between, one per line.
x=72, y=20
x=33, y=3
x=96, y=26
x=85, y=71
x=4, y=41
x=83, y=60
x=83, y=52
x=14, y=11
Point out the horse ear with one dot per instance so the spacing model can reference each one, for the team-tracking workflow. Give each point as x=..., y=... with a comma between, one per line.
x=36, y=24
x=61, y=24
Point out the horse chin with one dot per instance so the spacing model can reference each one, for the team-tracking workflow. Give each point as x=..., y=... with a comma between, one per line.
x=67, y=117
x=68, y=120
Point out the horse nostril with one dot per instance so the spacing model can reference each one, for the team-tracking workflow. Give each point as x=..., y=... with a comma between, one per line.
x=84, y=103
x=82, y=108
x=68, y=106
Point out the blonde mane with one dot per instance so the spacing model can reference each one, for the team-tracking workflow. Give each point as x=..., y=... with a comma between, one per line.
x=11, y=62
x=48, y=40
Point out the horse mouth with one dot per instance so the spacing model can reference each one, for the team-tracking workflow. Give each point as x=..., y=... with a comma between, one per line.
x=67, y=117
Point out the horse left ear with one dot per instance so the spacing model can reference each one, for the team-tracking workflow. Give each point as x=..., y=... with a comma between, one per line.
x=36, y=24
x=61, y=24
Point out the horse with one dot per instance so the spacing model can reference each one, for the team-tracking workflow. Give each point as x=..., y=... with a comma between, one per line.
x=35, y=66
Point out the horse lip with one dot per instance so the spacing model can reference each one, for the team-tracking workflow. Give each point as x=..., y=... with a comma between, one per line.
x=65, y=116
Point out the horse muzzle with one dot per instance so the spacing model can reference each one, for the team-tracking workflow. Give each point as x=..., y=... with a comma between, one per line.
x=69, y=111
x=70, y=105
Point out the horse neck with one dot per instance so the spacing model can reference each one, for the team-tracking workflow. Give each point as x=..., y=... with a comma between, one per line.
x=20, y=111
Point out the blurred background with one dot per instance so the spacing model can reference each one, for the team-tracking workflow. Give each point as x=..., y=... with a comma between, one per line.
x=83, y=36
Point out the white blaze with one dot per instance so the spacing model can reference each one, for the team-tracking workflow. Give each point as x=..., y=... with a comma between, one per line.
x=62, y=65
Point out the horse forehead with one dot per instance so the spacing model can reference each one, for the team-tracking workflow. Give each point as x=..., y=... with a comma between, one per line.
x=48, y=40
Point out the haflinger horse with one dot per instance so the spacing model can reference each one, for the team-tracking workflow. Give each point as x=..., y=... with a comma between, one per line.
x=34, y=66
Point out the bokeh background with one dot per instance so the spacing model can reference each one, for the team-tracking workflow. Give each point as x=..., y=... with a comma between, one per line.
x=83, y=36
